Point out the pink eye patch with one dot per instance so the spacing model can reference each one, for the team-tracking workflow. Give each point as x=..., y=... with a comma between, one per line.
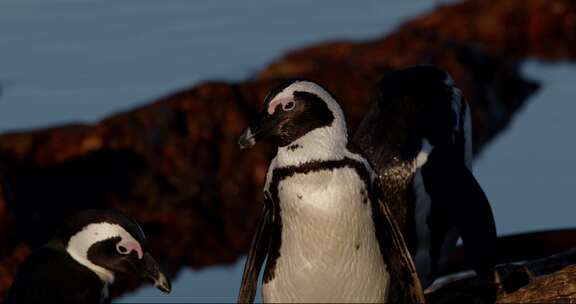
x=285, y=102
x=132, y=246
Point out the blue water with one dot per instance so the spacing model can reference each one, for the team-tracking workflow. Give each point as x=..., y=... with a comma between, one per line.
x=529, y=172
x=84, y=59
x=80, y=60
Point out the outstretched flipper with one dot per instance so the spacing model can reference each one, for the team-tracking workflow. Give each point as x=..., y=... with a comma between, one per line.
x=256, y=256
x=460, y=202
x=405, y=286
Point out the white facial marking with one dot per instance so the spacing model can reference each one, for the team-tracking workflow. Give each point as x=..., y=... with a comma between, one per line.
x=422, y=156
x=126, y=247
x=287, y=103
x=311, y=87
x=325, y=143
x=80, y=243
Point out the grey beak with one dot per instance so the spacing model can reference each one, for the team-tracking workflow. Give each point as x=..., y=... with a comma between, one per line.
x=247, y=139
x=150, y=270
x=162, y=283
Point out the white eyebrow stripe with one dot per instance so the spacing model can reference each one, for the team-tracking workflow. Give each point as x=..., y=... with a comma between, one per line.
x=131, y=246
x=80, y=243
x=274, y=103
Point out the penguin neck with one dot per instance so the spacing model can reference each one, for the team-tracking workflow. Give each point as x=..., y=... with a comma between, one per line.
x=106, y=276
x=79, y=244
x=326, y=143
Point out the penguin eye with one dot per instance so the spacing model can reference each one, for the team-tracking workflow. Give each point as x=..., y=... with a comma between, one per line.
x=121, y=249
x=288, y=106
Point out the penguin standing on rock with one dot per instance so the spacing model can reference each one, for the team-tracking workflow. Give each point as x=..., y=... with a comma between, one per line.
x=417, y=134
x=80, y=262
x=325, y=232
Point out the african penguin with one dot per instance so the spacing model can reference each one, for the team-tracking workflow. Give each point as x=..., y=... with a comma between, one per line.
x=417, y=135
x=83, y=258
x=325, y=233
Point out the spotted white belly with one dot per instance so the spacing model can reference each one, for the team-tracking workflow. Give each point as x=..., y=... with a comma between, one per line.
x=329, y=251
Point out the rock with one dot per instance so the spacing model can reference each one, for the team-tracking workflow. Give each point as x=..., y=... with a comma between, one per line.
x=547, y=280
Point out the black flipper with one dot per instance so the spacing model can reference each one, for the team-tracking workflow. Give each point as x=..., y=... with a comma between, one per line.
x=405, y=286
x=256, y=256
x=459, y=201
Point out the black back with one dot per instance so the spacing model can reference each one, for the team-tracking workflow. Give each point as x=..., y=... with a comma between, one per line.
x=414, y=103
x=411, y=105
x=50, y=275
x=408, y=104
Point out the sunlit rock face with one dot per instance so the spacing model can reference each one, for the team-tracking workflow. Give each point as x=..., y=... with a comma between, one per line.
x=174, y=164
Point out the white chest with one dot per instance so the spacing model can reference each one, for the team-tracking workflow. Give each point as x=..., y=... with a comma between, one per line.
x=329, y=251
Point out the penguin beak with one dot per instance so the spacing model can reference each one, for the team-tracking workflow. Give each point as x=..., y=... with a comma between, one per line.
x=247, y=139
x=263, y=127
x=149, y=270
x=260, y=128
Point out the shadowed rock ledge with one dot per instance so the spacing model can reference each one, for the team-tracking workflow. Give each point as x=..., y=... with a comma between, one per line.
x=174, y=164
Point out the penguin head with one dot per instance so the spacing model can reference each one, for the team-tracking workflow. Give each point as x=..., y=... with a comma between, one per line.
x=422, y=103
x=294, y=110
x=108, y=242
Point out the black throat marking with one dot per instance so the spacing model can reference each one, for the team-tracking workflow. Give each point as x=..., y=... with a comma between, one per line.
x=272, y=197
x=294, y=147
